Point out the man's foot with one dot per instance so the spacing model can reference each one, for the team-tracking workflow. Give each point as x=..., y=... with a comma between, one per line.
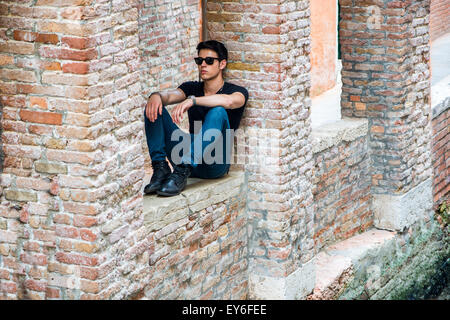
x=161, y=172
x=176, y=181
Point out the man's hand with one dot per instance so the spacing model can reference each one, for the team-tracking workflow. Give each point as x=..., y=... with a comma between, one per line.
x=154, y=107
x=178, y=110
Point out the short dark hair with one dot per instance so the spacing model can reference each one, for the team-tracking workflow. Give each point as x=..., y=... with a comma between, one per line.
x=216, y=46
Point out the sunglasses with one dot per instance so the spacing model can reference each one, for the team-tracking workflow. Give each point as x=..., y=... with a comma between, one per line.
x=208, y=60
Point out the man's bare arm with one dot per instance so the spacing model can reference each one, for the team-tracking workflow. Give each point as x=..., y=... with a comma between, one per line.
x=228, y=101
x=159, y=99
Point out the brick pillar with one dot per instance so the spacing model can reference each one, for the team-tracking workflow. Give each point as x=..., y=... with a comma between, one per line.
x=72, y=128
x=269, y=50
x=386, y=78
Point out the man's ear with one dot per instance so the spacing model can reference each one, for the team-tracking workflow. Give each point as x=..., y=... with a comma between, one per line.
x=222, y=64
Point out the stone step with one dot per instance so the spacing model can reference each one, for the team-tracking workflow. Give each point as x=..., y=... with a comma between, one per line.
x=336, y=264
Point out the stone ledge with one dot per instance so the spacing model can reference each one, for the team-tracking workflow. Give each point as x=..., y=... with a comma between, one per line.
x=331, y=134
x=199, y=194
x=336, y=264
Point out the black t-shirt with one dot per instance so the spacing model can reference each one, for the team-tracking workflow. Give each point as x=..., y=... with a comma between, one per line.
x=198, y=113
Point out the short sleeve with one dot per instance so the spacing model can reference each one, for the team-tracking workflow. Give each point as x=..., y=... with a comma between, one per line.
x=189, y=88
x=235, y=88
x=244, y=92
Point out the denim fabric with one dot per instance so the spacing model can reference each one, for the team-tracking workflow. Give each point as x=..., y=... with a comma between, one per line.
x=160, y=145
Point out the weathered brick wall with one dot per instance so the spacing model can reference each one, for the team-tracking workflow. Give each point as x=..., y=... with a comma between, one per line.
x=385, y=78
x=169, y=32
x=439, y=18
x=269, y=54
x=198, y=244
x=73, y=222
x=72, y=115
x=441, y=155
x=341, y=191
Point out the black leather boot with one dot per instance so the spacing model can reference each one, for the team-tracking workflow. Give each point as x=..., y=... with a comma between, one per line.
x=161, y=172
x=176, y=181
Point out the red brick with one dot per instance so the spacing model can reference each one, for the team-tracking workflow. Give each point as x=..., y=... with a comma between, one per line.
x=38, y=101
x=35, y=285
x=51, y=65
x=68, y=54
x=18, y=75
x=34, y=259
x=52, y=293
x=271, y=30
x=88, y=235
x=84, y=221
x=76, y=67
x=17, y=47
x=71, y=258
x=21, y=35
x=5, y=60
x=41, y=117
x=76, y=43
x=47, y=38
x=8, y=287
x=40, y=130
x=67, y=232
x=65, y=3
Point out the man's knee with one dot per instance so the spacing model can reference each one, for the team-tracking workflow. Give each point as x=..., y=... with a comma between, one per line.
x=218, y=112
x=217, y=116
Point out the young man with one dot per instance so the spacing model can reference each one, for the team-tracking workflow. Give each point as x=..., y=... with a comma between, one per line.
x=213, y=107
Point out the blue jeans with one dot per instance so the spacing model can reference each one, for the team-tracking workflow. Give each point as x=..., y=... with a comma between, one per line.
x=163, y=135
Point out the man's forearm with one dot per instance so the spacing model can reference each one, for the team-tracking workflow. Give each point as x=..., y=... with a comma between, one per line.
x=224, y=100
x=169, y=97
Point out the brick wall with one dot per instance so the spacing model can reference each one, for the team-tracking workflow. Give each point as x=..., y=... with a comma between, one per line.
x=169, y=32
x=441, y=155
x=73, y=221
x=342, y=194
x=269, y=54
x=198, y=244
x=439, y=18
x=72, y=120
x=385, y=75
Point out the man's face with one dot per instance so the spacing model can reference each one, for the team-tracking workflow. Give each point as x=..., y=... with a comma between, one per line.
x=209, y=72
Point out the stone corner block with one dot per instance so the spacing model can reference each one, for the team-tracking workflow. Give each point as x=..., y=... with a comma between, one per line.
x=296, y=286
x=398, y=212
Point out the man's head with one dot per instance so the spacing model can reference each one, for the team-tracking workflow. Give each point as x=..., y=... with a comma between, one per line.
x=213, y=59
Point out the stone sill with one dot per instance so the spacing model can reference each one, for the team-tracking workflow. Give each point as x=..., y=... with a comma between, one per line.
x=440, y=96
x=199, y=194
x=332, y=134
x=336, y=265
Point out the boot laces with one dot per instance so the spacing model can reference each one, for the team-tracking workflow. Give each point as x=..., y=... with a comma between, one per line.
x=179, y=174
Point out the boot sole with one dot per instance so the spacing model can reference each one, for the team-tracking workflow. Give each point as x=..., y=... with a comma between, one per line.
x=165, y=194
